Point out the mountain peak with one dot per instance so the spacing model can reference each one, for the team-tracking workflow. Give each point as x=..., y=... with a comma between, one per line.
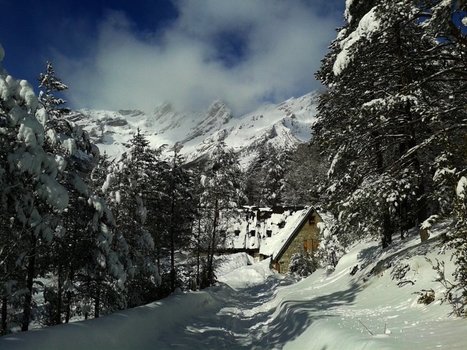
x=282, y=126
x=219, y=110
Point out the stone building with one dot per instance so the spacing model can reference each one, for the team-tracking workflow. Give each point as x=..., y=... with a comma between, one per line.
x=304, y=239
x=275, y=233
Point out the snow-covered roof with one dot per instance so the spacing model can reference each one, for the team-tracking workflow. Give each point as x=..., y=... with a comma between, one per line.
x=276, y=243
x=263, y=228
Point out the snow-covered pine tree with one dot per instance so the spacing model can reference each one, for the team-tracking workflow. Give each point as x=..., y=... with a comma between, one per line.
x=272, y=174
x=458, y=241
x=330, y=248
x=60, y=141
x=302, y=264
x=265, y=178
x=50, y=84
x=103, y=282
x=451, y=100
x=198, y=236
x=129, y=188
x=181, y=208
x=303, y=176
x=223, y=190
x=378, y=120
x=82, y=254
x=31, y=197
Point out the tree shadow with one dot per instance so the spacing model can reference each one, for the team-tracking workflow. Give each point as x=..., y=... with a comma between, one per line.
x=395, y=252
x=265, y=330
x=368, y=255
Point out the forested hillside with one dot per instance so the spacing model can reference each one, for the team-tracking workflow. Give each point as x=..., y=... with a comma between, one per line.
x=393, y=123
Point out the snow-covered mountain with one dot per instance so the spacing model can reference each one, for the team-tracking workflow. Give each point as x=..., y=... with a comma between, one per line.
x=283, y=126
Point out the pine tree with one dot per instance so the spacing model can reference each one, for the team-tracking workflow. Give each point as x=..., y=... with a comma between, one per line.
x=450, y=99
x=458, y=241
x=272, y=173
x=51, y=84
x=302, y=264
x=223, y=190
x=129, y=190
x=180, y=193
x=379, y=121
x=303, y=176
x=31, y=197
x=78, y=250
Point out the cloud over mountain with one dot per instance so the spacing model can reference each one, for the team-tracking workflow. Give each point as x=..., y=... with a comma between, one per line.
x=244, y=52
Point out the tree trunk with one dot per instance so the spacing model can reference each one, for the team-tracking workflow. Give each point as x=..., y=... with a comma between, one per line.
x=213, y=245
x=68, y=299
x=58, y=315
x=97, y=301
x=422, y=210
x=387, y=230
x=198, y=254
x=29, y=285
x=173, y=276
x=4, y=315
x=68, y=307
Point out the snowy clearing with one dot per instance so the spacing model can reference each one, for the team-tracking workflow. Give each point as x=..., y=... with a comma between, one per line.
x=255, y=308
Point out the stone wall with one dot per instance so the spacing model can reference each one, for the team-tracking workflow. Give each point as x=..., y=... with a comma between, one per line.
x=307, y=240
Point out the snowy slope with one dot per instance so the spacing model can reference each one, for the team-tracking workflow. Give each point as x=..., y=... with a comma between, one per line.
x=282, y=126
x=255, y=308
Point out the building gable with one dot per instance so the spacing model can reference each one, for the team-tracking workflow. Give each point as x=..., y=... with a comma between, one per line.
x=271, y=232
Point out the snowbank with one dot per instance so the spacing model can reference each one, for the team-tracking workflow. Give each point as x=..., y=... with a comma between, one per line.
x=378, y=307
x=231, y=262
x=130, y=329
x=248, y=276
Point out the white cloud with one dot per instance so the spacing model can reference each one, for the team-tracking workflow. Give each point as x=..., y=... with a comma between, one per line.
x=191, y=62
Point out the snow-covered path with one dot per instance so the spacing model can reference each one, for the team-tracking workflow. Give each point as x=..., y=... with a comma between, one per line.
x=217, y=319
x=231, y=327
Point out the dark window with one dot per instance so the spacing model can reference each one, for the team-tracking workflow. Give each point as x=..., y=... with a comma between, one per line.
x=237, y=233
x=311, y=220
x=269, y=233
x=252, y=233
x=281, y=224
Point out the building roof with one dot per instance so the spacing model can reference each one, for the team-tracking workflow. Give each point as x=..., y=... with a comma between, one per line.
x=264, y=229
x=283, y=244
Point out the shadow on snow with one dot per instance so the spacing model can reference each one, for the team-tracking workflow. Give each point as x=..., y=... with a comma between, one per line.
x=230, y=328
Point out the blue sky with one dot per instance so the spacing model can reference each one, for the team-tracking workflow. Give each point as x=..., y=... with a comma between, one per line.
x=139, y=54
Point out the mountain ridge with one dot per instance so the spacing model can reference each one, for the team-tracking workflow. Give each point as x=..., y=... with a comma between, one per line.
x=282, y=126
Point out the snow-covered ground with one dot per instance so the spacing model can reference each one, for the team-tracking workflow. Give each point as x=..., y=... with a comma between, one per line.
x=255, y=308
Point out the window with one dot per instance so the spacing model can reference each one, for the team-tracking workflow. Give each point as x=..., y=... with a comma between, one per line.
x=281, y=224
x=237, y=233
x=311, y=220
x=252, y=233
x=269, y=233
